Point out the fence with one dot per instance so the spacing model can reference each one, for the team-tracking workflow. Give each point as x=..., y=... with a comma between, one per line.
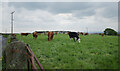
x=31, y=61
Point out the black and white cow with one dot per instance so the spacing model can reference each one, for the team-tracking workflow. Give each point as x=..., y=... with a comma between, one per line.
x=74, y=35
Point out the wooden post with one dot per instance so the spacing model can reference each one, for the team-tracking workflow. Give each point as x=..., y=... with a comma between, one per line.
x=42, y=69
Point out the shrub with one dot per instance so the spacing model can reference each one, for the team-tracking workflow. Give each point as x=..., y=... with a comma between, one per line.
x=109, y=31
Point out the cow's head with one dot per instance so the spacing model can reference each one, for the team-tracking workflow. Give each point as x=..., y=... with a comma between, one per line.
x=79, y=40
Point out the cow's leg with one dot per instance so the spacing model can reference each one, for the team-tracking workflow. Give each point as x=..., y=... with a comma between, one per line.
x=74, y=38
x=35, y=36
x=70, y=37
x=49, y=37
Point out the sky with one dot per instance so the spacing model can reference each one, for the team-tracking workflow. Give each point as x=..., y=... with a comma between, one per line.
x=60, y=16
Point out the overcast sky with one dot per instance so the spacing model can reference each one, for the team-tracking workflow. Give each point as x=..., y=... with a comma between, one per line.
x=75, y=16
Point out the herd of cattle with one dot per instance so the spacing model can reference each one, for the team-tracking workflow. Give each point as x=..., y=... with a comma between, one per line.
x=74, y=35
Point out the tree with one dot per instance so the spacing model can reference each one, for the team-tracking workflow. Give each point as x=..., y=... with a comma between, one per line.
x=109, y=31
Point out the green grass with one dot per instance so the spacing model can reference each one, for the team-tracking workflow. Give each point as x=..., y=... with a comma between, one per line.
x=93, y=52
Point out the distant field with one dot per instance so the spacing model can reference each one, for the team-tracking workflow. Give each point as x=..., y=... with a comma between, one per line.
x=93, y=52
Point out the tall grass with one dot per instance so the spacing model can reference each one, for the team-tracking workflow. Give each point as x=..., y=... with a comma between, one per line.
x=93, y=52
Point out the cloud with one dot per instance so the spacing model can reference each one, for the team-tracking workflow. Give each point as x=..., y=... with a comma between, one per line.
x=53, y=7
x=60, y=0
x=79, y=9
x=29, y=17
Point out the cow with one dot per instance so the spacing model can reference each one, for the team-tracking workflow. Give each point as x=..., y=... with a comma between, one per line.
x=74, y=35
x=14, y=35
x=102, y=34
x=68, y=33
x=55, y=33
x=86, y=33
x=63, y=32
x=24, y=34
x=81, y=33
x=44, y=33
x=50, y=36
x=35, y=35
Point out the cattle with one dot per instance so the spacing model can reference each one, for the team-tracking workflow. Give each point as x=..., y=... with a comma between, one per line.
x=63, y=32
x=102, y=34
x=24, y=34
x=50, y=36
x=74, y=35
x=81, y=33
x=35, y=35
x=14, y=35
x=44, y=33
x=68, y=33
x=55, y=33
x=86, y=33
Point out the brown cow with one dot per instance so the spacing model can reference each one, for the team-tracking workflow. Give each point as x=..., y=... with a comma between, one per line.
x=14, y=35
x=63, y=32
x=35, y=35
x=81, y=33
x=44, y=33
x=50, y=36
x=86, y=33
x=55, y=33
x=102, y=34
x=68, y=33
x=24, y=34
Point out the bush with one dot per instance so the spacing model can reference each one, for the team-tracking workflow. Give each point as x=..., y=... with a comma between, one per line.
x=109, y=31
x=6, y=36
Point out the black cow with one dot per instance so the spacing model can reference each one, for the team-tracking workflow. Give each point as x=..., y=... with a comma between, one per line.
x=74, y=35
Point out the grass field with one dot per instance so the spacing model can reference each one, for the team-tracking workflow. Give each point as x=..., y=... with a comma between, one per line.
x=93, y=52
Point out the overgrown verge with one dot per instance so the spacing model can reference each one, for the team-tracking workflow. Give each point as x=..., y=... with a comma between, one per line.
x=8, y=38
